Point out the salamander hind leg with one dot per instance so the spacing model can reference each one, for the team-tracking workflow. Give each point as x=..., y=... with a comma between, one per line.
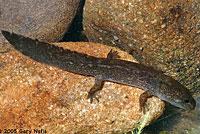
x=143, y=99
x=99, y=81
x=113, y=55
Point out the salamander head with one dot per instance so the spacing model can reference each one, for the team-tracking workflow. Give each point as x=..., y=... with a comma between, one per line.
x=176, y=94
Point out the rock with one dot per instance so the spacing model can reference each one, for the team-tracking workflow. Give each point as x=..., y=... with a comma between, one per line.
x=46, y=20
x=46, y=98
x=163, y=34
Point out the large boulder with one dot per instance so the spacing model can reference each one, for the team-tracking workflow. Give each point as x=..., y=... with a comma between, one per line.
x=42, y=97
x=46, y=20
x=164, y=34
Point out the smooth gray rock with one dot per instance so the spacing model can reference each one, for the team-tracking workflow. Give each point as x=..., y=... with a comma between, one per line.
x=46, y=20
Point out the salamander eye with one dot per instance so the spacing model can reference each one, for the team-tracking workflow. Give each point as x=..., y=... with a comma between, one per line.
x=186, y=101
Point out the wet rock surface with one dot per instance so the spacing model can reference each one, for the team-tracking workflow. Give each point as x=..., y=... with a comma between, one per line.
x=38, y=96
x=163, y=34
x=46, y=20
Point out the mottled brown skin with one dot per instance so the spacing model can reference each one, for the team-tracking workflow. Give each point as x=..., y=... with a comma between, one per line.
x=154, y=83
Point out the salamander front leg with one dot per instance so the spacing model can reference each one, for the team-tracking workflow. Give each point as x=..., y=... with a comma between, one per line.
x=143, y=99
x=99, y=81
x=113, y=55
